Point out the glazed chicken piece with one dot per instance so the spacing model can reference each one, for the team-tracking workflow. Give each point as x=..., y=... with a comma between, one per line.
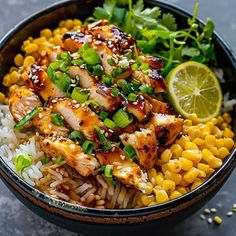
x=73, y=155
x=42, y=84
x=50, y=56
x=99, y=93
x=145, y=144
x=21, y=102
x=44, y=124
x=141, y=108
x=153, y=62
x=78, y=116
x=167, y=127
x=158, y=106
x=124, y=169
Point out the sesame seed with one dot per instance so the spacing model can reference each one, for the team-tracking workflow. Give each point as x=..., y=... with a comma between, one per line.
x=122, y=157
x=50, y=126
x=72, y=146
x=119, y=167
x=209, y=220
x=40, y=115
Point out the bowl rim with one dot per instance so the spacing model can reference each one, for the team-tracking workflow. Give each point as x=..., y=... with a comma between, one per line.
x=116, y=213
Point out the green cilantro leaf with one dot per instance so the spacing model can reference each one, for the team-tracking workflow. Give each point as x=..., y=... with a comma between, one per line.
x=208, y=28
x=169, y=21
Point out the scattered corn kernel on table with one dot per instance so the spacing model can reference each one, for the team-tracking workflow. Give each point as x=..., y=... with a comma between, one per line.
x=16, y=219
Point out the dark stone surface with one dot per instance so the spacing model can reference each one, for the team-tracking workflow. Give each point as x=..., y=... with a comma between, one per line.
x=17, y=220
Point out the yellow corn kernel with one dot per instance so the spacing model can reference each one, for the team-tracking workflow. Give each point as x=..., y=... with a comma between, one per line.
x=165, y=167
x=203, y=167
x=193, y=118
x=217, y=132
x=18, y=60
x=26, y=42
x=222, y=153
x=13, y=68
x=219, y=143
x=47, y=33
x=176, y=150
x=220, y=120
x=146, y=200
x=152, y=173
x=218, y=220
x=224, y=125
x=211, y=171
x=76, y=22
x=211, y=125
x=2, y=98
x=148, y=188
x=175, y=165
x=214, y=121
x=190, y=146
x=191, y=175
x=15, y=77
x=184, y=183
x=168, y=185
x=181, y=189
x=196, y=184
x=57, y=40
x=159, y=180
x=215, y=163
x=202, y=174
x=56, y=31
x=28, y=61
x=176, y=177
x=161, y=174
x=228, y=143
x=199, y=141
x=39, y=40
x=69, y=24
x=161, y=196
x=32, y=47
x=62, y=23
x=207, y=155
x=193, y=155
x=152, y=204
x=13, y=88
x=227, y=117
x=175, y=194
x=214, y=150
x=193, y=132
x=188, y=122
x=166, y=155
x=182, y=141
x=186, y=164
x=227, y=133
x=205, y=130
x=6, y=80
x=210, y=140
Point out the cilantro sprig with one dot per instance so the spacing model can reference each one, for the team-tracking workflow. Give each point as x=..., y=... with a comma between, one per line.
x=157, y=33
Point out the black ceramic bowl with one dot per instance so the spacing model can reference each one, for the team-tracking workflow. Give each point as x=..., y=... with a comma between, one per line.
x=89, y=220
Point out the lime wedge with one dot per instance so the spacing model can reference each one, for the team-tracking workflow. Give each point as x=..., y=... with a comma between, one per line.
x=194, y=89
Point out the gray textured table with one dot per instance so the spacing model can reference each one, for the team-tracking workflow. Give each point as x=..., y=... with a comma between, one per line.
x=17, y=220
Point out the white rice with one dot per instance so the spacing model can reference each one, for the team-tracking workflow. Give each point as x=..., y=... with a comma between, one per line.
x=13, y=143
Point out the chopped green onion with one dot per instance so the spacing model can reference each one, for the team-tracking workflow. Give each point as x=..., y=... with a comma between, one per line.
x=108, y=171
x=124, y=63
x=56, y=118
x=109, y=124
x=77, y=136
x=79, y=95
x=26, y=119
x=115, y=92
x=45, y=161
x=121, y=83
x=97, y=70
x=103, y=115
x=102, y=168
x=132, y=97
x=62, y=81
x=22, y=161
x=128, y=55
x=116, y=72
x=134, y=67
x=87, y=147
x=64, y=55
x=136, y=84
x=106, y=146
x=58, y=160
x=107, y=80
x=93, y=103
x=78, y=62
x=144, y=67
x=64, y=66
x=82, y=49
x=146, y=89
x=110, y=62
x=122, y=118
x=129, y=151
x=90, y=56
x=128, y=88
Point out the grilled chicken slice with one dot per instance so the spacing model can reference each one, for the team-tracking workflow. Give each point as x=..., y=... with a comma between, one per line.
x=124, y=169
x=73, y=155
x=141, y=108
x=44, y=124
x=50, y=56
x=145, y=144
x=153, y=62
x=167, y=127
x=78, y=116
x=158, y=106
x=85, y=79
x=39, y=80
x=21, y=102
